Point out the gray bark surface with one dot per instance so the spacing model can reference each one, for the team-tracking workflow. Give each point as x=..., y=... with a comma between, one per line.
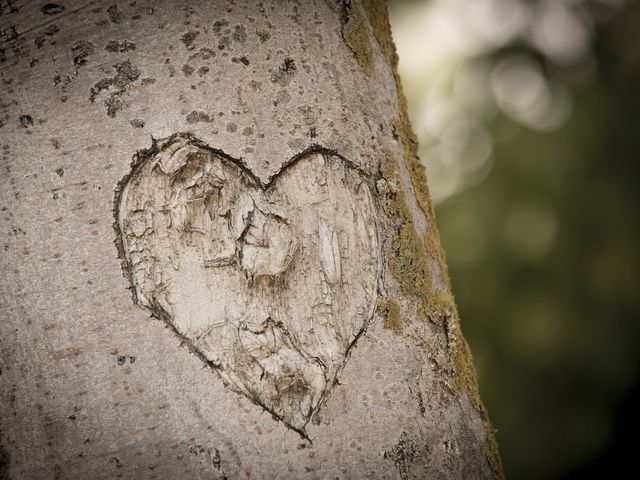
x=268, y=139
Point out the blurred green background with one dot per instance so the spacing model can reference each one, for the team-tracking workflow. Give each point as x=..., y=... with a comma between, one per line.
x=528, y=115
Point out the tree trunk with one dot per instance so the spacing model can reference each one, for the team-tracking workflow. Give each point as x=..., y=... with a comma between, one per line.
x=260, y=292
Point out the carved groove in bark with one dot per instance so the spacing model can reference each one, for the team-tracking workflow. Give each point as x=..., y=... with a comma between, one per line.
x=269, y=284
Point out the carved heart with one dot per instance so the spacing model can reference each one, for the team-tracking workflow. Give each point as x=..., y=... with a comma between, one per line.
x=271, y=285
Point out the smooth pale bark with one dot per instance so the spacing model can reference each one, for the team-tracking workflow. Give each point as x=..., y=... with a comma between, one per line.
x=103, y=373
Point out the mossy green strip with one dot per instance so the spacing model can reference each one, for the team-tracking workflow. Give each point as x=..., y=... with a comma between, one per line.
x=390, y=310
x=356, y=36
x=461, y=362
x=410, y=256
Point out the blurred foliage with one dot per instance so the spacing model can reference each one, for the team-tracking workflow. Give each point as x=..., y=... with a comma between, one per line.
x=542, y=241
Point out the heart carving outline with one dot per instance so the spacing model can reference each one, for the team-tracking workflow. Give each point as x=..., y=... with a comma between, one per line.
x=254, y=241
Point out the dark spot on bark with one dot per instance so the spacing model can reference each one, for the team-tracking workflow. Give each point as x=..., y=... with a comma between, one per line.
x=4, y=462
x=8, y=7
x=26, y=121
x=113, y=104
x=247, y=131
x=243, y=60
x=203, y=71
x=71, y=417
x=313, y=133
x=57, y=80
x=187, y=69
x=51, y=8
x=239, y=34
x=126, y=74
x=218, y=25
x=225, y=42
x=51, y=30
x=114, y=14
x=8, y=35
x=289, y=65
x=196, y=116
x=103, y=84
x=55, y=143
x=81, y=50
x=403, y=454
x=263, y=36
x=121, y=359
x=216, y=460
x=421, y=406
x=206, y=53
x=188, y=39
x=232, y=127
x=285, y=72
x=137, y=123
x=60, y=172
x=120, y=47
x=148, y=81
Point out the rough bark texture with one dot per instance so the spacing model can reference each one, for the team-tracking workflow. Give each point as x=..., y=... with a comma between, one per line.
x=261, y=292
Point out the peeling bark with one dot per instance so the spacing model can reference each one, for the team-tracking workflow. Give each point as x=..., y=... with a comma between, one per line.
x=275, y=219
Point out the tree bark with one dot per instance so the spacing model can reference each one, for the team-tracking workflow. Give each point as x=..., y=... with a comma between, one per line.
x=260, y=292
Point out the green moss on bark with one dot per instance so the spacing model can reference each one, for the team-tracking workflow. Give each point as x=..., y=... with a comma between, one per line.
x=390, y=310
x=409, y=255
x=464, y=376
x=356, y=35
